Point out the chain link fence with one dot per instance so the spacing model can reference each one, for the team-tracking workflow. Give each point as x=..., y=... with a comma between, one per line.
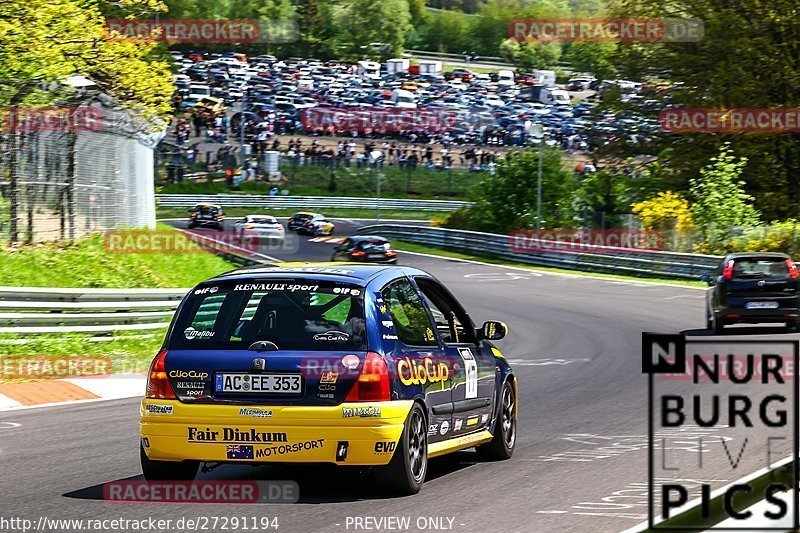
x=67, y=178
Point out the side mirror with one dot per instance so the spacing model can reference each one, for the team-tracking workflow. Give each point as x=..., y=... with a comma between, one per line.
x=493, y=330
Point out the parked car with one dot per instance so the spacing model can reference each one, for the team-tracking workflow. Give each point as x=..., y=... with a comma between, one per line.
x=753, y=288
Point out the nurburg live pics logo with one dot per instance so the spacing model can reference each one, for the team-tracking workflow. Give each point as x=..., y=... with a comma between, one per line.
x=746, y=392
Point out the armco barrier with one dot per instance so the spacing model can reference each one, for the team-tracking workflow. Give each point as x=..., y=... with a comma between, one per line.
x=305, y=202
x=605, y=259
x=42, y=310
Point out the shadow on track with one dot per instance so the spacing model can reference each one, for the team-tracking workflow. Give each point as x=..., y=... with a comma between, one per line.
x=318, y=483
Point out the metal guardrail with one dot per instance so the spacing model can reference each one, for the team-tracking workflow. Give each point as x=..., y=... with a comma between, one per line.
x=43, y=310
x=605, y=259
x=305, y=202
x=36, y=310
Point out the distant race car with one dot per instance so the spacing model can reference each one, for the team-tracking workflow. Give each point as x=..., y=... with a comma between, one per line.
x=753, y=288
x=311, y=224
x=261, y=226
x=206, y=215
x=355, y=365
x=365, y=248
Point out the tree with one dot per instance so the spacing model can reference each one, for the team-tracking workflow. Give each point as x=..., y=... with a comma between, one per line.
x=531, y=55
x=602, y=198
x=507, y=200
x=594, y=57
x=363, y=22
x=447, y=31
x=720, y=200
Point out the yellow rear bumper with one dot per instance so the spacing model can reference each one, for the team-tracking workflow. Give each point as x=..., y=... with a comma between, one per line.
x=175, y=431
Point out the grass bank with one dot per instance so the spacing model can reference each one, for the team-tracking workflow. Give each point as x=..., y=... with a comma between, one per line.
x=317, y=180
x=86, y=263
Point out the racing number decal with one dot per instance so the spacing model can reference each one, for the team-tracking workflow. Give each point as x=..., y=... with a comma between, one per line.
x=471, y=369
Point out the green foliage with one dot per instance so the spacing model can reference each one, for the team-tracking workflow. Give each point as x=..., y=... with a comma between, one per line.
x=719, y=197
x=87, y=263
x=44, y=41
x=507, y=200
x=531, y=55
x=363, y=22
x=447, y=31
x=602, y=198
x=665, y=211
x=594, y=57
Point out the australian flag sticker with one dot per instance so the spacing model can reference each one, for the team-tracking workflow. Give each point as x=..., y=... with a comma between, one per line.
x=237, y=451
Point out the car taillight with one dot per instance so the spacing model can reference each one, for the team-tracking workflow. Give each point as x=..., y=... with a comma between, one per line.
x=372, y=384
x=358, y=254
x=727, y=272
x=792, y=268
x=390, y=252
x=157, y=383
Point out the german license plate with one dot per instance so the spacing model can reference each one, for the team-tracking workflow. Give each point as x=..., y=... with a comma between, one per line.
x=374, y=256
x=237, y=383
x=761, y=305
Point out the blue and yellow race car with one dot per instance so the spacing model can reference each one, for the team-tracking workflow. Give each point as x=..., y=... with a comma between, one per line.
x=357, y=365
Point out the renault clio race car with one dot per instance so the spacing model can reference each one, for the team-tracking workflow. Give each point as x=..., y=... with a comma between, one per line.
x=357, y=365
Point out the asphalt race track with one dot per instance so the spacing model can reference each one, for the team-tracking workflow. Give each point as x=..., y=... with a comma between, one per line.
x=575, y=345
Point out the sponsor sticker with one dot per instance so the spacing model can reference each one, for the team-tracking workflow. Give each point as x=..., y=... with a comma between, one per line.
x=239, y=451
x=384, y=447
x=484, y=418
x=444, y=428
x=157, y=409
x=255, y=413
x=191, y=385
x=432, y=429
x=457, y=424
x=332, y=336
x=206, y=290
x=234, y=435
x=191, y=374
x=363, y=412
x=286, y=449
x=190, y=333
x=329, y=377
x=414, y=372
x=389, y=337
x=387, y=324
x=351, y=361
x=268, y=287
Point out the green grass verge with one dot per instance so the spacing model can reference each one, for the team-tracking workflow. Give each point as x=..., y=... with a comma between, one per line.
x=87, y=263
x=315, y=180
x=128, y=352
x=421, y=248
x=235, y=212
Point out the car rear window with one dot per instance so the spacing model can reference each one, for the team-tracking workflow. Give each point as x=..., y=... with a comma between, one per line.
x=206, y=210
x=759, y=268
x=295, y=314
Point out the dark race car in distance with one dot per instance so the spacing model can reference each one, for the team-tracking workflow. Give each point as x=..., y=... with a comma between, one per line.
x=365, y=248
x=206, y=215
x=753, y=288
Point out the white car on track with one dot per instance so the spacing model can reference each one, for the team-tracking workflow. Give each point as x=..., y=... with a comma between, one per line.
x=262, y=227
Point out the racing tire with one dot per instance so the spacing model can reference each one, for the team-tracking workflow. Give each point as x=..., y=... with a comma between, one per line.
x=190, y=226
x=716, y=324
x=405, y=473
x=793, y=326
x=167, y=470
x=501, y=447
